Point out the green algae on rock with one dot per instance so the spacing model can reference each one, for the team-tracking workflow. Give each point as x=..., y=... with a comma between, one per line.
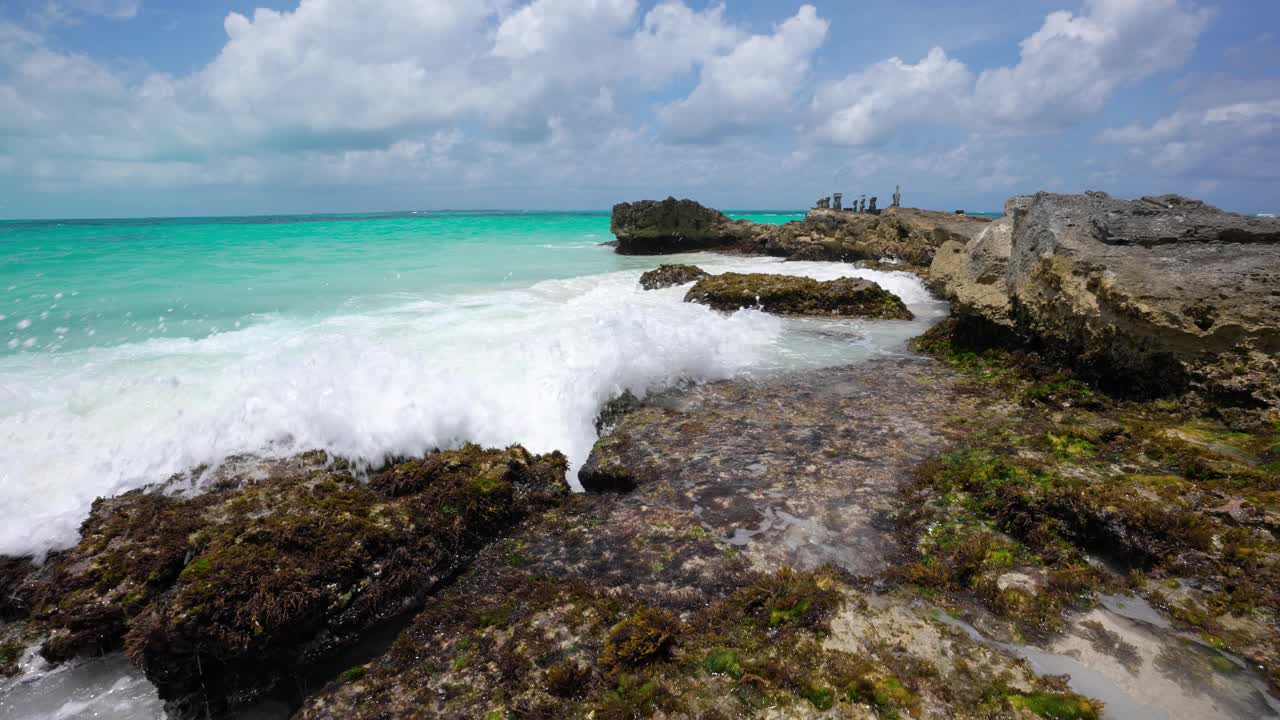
x=132, y=548
x=1182, y=508
x=220, y=596
x=791, y=295
x=669, y=275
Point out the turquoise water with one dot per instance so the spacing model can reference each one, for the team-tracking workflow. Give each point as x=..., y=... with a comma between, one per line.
x=74, y=284
x=131, y=350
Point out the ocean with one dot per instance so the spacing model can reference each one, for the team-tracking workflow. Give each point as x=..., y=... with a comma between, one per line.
x=134, y=349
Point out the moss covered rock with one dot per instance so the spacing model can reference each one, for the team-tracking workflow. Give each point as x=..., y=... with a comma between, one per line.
x=791, y=295
x=131, y=549
x=1182, y=508
x=220, y=596
x=668, y=275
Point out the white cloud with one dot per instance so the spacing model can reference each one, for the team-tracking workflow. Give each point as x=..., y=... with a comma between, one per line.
x=1240, y=138
x=747, y=87
x=1066, y=71
x=865, y=107
x=331, y=86
x=1074, y=63
x=548, y=25
x=673, y=38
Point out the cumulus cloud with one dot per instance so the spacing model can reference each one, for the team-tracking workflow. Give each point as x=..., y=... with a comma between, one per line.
x=747, y=87
x=585, y=93
x=865, y=107
x=1066, y=71
x=351, y=81
x=1074, y=63
x=1239, y=139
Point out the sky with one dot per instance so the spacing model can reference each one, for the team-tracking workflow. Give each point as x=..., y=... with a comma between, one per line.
x=115, y=108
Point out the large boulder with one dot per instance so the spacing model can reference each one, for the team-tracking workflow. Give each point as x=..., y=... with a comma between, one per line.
x=1157, y=295
x=791, y=295
x=659, y=227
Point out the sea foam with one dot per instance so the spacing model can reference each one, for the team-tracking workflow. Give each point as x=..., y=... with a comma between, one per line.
x=529, y=365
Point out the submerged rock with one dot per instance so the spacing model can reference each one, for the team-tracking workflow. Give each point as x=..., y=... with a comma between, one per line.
x=800, y=472
x=1157, y=295
x=220, y=596
x=792, y=295
x=668, y=275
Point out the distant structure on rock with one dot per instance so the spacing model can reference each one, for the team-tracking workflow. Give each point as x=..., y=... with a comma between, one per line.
x=862, y=203
x=823, y=202
x=897, y=196
x=836, y=201
x=871, y=208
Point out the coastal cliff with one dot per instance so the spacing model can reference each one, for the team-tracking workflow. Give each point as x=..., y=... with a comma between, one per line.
x=1076, y=473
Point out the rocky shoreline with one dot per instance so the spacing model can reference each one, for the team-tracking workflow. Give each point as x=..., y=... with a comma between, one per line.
x=1081, y=466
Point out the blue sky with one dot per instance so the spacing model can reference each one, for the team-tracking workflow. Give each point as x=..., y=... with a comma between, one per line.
x=144, y=107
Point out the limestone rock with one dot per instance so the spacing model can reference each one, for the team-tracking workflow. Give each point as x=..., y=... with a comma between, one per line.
x=791, y=295
x=668, y=275
x=1157, y=295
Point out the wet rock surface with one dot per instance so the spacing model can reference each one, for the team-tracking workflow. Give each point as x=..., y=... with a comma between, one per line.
x=1157, y=295
x=220, y=596
x=792, y=295
x=669, y=275
x=724, y=584
x=797, y=472
x=1059, y=492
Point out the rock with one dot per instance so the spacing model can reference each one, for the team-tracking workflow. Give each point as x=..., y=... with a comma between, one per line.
x=791, y=295
x=1019, y=581
x=221, y=596
x=1152, y=296
x=657, y=227
x=668, y=275
x=649, y=604
x=798, y=471
x=907, y=235
x=13, y=571
x=903, y=235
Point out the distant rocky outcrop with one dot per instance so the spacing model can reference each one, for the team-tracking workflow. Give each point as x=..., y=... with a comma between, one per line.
x=1156, y=295
x=659, y=227
x=669, y=275
x=791, y=295
x=904, y=235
